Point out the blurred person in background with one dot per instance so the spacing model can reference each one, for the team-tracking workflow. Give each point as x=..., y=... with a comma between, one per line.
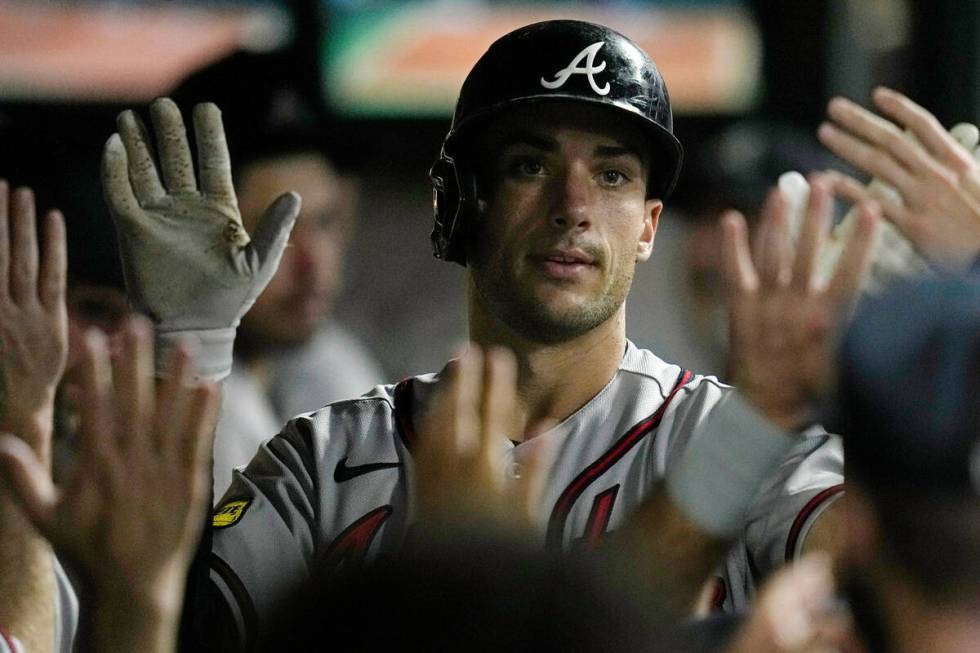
x=909, y=408
x=293, y=353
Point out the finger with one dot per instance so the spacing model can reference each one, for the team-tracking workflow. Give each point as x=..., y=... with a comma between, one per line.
x=865, y=157
x=29, y=481
x=54, y=262
x=4, y=238
x=737, y=266
x=881, y=133
x=95, y=417
x=812, y=234
x=212, y=153
x=924, y=125
x=173, y=400
x=466, y=401
x=499, y=403
x=142, y=171
x=272, y=233
x=132, y=376
x=856, y=255
x=855, y=192
x=175, y=151
x=774, y=252
x=23, y=255
x=965, y=134
x=530, y=486
x=116, y=187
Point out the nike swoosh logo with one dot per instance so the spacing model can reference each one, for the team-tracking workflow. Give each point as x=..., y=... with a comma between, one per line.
x=344, y=473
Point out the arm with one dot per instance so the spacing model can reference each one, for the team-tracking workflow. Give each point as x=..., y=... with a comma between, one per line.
x=130, y=514
x=782, y=338
x=188, y=262
x=34, y=336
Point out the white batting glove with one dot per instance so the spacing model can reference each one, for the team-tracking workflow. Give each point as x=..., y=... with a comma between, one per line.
x=188, y=262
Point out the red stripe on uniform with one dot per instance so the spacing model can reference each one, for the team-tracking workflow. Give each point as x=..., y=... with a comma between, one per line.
x=805, y=513
x=559, y=515
x=598, y=521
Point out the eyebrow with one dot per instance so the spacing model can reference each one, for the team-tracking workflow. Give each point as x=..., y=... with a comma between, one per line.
x=532, y=140
x=547, y=144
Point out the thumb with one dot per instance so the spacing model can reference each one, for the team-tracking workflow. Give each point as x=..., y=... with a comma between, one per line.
x=272, y=233
x=29, y=481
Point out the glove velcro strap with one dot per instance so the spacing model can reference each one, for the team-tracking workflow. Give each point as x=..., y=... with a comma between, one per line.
x=725, y=464
x=212, y=351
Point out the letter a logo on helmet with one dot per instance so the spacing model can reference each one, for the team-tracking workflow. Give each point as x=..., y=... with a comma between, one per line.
x=573, y=68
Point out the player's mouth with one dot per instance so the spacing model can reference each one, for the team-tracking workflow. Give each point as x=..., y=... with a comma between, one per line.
x=565, y=264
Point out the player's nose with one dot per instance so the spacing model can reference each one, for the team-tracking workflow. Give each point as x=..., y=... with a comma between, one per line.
x=572, y=204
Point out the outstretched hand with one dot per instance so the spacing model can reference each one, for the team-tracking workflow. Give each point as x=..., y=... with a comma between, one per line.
x=782, y=318
x=462, y=444
x=33, y=318
x=188, y=262
x=937, y=179
x=131, y=511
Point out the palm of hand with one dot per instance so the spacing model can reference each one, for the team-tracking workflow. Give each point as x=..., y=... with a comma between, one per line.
x=198, y=236
x=33, y=317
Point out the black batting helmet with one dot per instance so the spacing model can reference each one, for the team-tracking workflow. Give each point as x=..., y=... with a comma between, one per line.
x=553, y=60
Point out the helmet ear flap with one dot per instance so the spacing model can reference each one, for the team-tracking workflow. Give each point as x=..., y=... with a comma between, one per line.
x=454, y=205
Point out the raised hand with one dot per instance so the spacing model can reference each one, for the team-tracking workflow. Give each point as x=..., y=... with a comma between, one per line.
x=937, y=179
x=130, y=514
x=459, y=457
x=33, y=319
x=188, y=262
x=782, y=318
x=796, y=612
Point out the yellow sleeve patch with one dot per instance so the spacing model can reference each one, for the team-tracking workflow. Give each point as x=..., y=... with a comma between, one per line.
x=229, y=514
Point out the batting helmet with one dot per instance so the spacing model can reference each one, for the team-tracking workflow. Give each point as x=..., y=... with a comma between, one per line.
x=553, y=60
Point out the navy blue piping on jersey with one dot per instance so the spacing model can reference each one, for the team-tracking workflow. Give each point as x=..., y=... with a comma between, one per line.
x=404, y=395
x=250, y=618
x=559, y=515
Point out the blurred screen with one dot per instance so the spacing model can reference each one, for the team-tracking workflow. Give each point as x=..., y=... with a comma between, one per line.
x=123, y=51
x=401, y=59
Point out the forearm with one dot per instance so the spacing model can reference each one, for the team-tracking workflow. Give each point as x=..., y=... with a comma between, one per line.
x=670, y=554
x=26, y=570
x=26, y=580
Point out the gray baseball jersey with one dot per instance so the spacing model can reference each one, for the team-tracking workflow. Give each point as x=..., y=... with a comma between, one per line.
x=334, y=488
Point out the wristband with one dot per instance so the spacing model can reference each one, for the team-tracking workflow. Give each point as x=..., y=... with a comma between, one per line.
x=212, y=351
x=724, y=464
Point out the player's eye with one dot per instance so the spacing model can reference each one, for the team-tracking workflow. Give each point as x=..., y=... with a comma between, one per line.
x=613, y=178
x=525, y=166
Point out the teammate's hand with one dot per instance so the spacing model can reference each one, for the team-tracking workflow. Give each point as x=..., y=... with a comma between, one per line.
x=782, y=319
x=33, y=319
x=938, y=179
x=130, y=514
x=796, y=612
x=188, y=262
x=462, y=445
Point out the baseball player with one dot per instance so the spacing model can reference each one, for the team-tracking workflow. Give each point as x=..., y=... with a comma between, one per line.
x=548, y=190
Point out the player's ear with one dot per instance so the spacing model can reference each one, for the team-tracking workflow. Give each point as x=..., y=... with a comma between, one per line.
x=651, y=218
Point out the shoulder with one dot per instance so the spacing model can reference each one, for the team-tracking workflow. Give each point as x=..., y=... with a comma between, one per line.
x=383, y=411
x=660, y=376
